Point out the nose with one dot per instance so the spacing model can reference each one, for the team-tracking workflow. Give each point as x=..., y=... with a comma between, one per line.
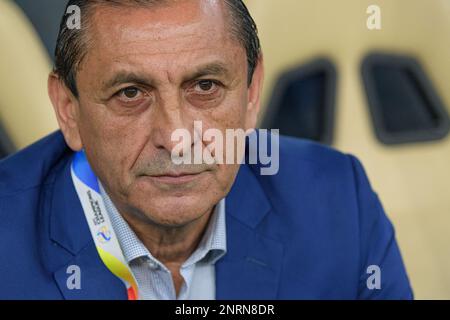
x=169, y=116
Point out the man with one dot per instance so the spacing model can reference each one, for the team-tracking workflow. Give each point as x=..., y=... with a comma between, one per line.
x=100, y=210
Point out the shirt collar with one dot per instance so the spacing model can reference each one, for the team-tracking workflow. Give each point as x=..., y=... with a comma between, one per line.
x=210, y=249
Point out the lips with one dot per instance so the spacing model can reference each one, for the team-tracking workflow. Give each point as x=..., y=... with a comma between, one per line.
x=176, y=177
x=177, y=174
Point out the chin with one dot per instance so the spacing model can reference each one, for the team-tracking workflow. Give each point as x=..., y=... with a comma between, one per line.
x=175, y=211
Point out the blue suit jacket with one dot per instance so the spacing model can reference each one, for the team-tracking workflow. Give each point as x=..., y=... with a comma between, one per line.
x=309, y=232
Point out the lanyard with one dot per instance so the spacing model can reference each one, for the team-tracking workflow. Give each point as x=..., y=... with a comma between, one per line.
x=105, y=239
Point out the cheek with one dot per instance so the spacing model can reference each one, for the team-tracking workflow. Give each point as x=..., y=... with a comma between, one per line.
x=234, y=113
x=231, y=114
x=225, y=177
x=117, y=158
x=112, y=144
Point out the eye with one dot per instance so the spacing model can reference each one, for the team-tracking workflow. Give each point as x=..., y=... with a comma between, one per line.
x=205, y=86
x=130, y=94
x=206, y=93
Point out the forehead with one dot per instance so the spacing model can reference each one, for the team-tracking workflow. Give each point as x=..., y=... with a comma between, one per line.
x=162, y=35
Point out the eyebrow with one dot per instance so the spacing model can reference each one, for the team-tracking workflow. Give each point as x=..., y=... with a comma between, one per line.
x=209, y=69
x=127, y=77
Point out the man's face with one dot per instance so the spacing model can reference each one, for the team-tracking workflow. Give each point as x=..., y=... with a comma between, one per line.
x=148, y=72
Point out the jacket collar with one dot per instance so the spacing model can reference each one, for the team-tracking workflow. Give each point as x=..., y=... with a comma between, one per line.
x=251, y=268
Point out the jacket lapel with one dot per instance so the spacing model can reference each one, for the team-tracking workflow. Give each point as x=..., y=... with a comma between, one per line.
x=251, y=268
x=69, y=243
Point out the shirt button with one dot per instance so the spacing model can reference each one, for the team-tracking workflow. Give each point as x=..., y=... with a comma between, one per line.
x=153, y=265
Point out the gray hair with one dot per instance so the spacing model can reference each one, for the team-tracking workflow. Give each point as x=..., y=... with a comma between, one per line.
x=71, y=46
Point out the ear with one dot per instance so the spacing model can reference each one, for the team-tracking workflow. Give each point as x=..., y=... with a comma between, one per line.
x=254, y=95
x=66, y=110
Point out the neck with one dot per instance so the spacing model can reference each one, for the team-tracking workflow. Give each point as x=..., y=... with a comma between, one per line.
x=172, y=246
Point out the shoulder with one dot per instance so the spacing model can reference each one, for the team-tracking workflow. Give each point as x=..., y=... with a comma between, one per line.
x=305, y=162
x=302, y=151
x=314, y=181
x=29, y=168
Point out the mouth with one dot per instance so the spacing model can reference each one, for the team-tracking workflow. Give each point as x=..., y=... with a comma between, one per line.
x=176, y=178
